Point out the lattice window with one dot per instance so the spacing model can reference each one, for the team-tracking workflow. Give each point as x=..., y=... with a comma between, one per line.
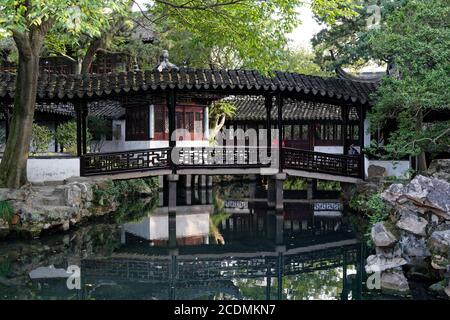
x=137, y=123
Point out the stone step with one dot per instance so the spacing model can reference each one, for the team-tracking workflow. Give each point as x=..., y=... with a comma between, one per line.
x=50, y=201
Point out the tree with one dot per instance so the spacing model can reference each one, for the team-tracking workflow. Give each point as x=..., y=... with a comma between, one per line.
x=416, y=40
x=302, y=61
x=220, y=111
x=29, y=22
x=348, y=38
x=234, y=33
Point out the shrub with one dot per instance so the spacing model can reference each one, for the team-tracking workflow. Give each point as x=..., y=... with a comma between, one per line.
x=374, y=209
x=293, y=183
x=66, y=135
x=41, y=138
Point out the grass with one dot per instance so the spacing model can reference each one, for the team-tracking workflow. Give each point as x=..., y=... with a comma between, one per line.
x=6, y=211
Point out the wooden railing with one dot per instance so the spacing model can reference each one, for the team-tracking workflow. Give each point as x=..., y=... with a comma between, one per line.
x=343, y=165
x=219, y=157
x=125, y=161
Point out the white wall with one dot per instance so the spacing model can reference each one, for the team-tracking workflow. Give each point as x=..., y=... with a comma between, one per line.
x=329, y=149
x=52, y=169
x=121, y=145
x=397, y=169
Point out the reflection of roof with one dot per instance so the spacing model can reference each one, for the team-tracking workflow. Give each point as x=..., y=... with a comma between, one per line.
x=239, y=81
x=253, y=109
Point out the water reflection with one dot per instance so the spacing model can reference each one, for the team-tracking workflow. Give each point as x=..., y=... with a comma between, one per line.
x=211, y=248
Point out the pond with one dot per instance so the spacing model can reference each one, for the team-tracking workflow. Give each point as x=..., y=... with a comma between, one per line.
x=219, y=244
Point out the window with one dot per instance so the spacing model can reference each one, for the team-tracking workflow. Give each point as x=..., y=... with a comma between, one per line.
x=137, y=123
x=330, y=133
x=187, y=117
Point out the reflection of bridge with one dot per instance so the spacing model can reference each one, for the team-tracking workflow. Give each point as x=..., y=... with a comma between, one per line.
x=180, y=271
x=264, y=246
x=225, y=160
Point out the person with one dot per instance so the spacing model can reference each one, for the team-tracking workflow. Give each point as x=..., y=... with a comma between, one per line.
x=352, y=150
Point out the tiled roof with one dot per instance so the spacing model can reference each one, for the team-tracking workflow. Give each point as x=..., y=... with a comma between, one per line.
x=253, y=109
x=109, y=109
x=238, y=81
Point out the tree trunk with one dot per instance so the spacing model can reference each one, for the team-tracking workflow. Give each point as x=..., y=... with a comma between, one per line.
x=13, y=168
x=95, y=45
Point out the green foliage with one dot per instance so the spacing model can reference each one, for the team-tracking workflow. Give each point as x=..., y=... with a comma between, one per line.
x=412, y=37
x=219, y=112
x=66, y=135
x=6, y=211
x=237, y=34
x=374, y=209
x=417, y=40
x=133, y=210
x=349, y=37
x=329, y=185
x=302, y=61
x=114, y=191
x=74, y=16
x=41, y=138
x=293, y=183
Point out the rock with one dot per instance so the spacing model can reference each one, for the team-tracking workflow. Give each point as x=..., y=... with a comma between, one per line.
x=431, y=192
x=439, y=262
x=389, y=252
x=393, y=193
x=394, y=283
x=73, y=195
x=409, y=221
x=376, y=171
x=377, y=263
x=382, y=236
x=413, y=246
x=439, y=242
x=447, y=291
x=440, y=169
x=438, y=287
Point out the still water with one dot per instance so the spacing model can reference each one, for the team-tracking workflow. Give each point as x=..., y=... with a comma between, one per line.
x=218, y=245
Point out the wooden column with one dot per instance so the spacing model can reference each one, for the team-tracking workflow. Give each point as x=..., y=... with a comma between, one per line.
x=84, y=114
x=55, y=124
x=361, y=115
x=78, y=112
x=280, y=131
x=268, y=104
x=171, y=108
x=344, y=129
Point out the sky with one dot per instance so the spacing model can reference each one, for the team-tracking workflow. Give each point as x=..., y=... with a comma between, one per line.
x=302, y=35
